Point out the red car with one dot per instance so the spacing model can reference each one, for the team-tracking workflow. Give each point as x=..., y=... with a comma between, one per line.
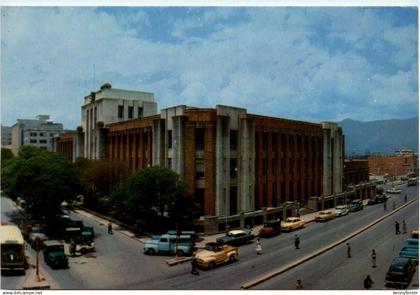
x=271, y=228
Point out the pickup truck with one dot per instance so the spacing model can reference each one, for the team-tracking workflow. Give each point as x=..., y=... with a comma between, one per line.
x=171, y=244
x=216, y=254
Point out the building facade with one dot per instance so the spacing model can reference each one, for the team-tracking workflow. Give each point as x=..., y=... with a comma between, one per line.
x=404, y=162
x=6, y=136
x=39, y=133
x=357, y=181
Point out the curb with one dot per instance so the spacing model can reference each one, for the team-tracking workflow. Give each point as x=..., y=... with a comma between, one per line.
x=270, y=275
x=175, y=261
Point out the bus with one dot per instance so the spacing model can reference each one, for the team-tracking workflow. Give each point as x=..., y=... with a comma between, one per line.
x=12, y=248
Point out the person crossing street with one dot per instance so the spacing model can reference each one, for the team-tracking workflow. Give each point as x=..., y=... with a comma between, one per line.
x=297, y=241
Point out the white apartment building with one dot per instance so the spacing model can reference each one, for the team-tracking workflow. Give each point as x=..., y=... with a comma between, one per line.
x=39, y=133
x=110, y=105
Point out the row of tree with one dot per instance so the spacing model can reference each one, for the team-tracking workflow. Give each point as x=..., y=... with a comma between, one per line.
x=44, y=179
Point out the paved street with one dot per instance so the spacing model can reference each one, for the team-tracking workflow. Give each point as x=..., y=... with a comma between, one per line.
x=119, y=262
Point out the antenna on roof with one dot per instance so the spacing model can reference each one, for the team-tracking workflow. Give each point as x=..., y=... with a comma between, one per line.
x=93, y=78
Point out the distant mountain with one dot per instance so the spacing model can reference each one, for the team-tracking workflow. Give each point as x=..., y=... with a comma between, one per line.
x=380, y=137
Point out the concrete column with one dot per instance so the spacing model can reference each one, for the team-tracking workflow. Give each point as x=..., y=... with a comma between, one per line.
x=209, y=169
x=189, y=156
x=222, y=166
x=269, y=177
x=247, y=166
x=178, y=145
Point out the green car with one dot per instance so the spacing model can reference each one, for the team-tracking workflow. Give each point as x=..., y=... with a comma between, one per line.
x=54, y=255
x=355, y=205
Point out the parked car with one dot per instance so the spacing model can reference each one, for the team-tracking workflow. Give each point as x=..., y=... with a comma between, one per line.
x=378, y=199
x=400, y=272
x=325, y=215
x=236, y=238
x=341, y=210
x=409, y=252
x=216, y=254
x=415, y=234
x=270, y=229
x=393, y=190
x=355, y=205
x=36, y=232
x=412, y=243
x=88, y=232
x=54, y=255
x=292, y=223
x=169, y=244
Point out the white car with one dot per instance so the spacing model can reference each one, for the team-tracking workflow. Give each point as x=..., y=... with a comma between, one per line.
x=36, y=232
x=393, y=190
x=341, y=210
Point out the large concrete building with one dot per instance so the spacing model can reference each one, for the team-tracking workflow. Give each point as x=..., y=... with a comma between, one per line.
x=241, y=168
x=39, y=133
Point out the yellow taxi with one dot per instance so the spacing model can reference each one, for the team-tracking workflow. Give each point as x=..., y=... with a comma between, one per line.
x=325, y=215
x=292, y=223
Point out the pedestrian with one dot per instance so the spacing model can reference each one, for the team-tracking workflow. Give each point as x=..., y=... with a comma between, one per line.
x=373, y=256
x=297, y=241
x=405, y=198
x=72, y=248
x=110, y=227
x=258, y=248
x=404, y=227
x=299, y=285
x=397, y=228
x=348, y=250
x=385, y=206
x=194, y=265
x=393, y=205
x=368, y=282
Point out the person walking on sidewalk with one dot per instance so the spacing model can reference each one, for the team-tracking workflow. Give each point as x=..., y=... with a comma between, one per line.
x=299, y=285
x=393, y=205
x=258, y=248
x=348, y=250
x=297, y=241
x=194, y=264
x=404, y=227
x=368, y=282
x=397, y=228
x=405, y=198
x=110, y=227
x=373, y=256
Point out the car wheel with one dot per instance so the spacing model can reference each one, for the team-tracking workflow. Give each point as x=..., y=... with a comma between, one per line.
x=151, y=251
x=211, y=264
x=232, y=258
x=83, y=251
x=180, y=253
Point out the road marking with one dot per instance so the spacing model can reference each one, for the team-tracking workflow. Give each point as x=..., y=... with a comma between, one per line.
x=277, y=272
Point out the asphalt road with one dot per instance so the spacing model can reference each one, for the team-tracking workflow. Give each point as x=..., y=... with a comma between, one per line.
x=119, y=262
x=334, y=271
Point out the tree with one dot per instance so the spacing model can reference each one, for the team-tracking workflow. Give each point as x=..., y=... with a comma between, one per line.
x=99, y=178
x=43, y=179
x=6, y=154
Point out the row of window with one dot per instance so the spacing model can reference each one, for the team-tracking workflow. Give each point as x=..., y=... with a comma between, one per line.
x=40, y=141
x=130, y=112
x=41, y=134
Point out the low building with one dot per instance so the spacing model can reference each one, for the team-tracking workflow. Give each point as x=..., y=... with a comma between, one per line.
x=404, y=162
x=357, y=181
x=6, y=136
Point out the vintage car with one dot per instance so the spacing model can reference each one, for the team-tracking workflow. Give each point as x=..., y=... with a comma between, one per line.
x=84, y=244
x=215, y=254
x=393, y=190
x=415, y=234
x=412, y=243
x=325, y=215
x=36, y=232
x=270, y=229
x=54, y=254
x=355, y=205
x=292, y=223
x=400, y=272
x=236, y=238
x=341, y=210
x=169, y=244
x=409, y=252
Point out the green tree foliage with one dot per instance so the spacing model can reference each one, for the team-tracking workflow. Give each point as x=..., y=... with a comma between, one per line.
x=43, y=179
x=99, y=178
x=153, y=190
x=6, y=154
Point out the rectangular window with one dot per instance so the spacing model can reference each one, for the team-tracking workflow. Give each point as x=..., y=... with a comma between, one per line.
x=120, y=112
x=233, y=140
x=41, y=134
x=33, y=134
x=140, y=113
x=130, y=112
x=199, y=139
x=169, y=139
x=51, y=134
x=42, y=141
x=33, y=141
x=233, y=168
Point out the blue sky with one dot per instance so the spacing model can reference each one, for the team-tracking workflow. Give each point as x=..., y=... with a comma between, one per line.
x=306, y=63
